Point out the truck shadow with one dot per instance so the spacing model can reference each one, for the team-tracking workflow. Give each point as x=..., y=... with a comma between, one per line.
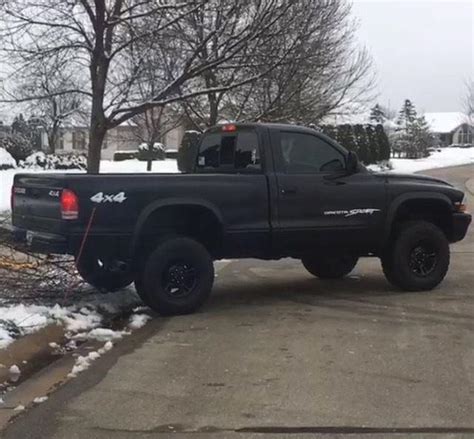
x=359, y=298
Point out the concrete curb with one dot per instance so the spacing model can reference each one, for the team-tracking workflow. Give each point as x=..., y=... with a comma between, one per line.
x=470, y=186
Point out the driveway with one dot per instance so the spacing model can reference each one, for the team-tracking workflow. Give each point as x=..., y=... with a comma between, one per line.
x=279, y=353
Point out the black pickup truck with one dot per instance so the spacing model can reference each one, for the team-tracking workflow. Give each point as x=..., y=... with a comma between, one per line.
x=256, y=190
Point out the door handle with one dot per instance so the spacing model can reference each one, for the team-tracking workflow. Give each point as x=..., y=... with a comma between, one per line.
x=288, y=191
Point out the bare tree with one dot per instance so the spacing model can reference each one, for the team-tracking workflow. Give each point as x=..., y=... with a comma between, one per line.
x=97, y=38
x=49, y=78
x=321, y=70
x=469, y=101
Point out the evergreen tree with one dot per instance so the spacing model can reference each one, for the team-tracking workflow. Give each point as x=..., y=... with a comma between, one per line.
x=362, y=143
x=20, y=126
x=383, y=143
x=346, y=137
x=406, y=115
x=330, y=131
x=420, y=137
x=377, y=114
x=372, y=145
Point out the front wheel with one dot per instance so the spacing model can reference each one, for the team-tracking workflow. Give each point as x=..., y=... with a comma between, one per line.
x=178, y=276
x=330, y=266
x=418, y=258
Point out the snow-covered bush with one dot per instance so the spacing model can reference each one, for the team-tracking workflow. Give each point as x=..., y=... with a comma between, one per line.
x=6, y=160
x=157, y=152
x=18, y=146
x=40, y=160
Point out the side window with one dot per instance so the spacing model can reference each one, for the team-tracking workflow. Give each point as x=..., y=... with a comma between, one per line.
x=229, y=152
x=306, y=154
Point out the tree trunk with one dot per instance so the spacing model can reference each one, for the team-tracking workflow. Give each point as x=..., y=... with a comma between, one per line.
x=96, y=137
x=149, y=162
x=53, y=139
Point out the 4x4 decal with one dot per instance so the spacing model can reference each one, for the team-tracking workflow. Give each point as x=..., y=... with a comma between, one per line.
x=100, y=197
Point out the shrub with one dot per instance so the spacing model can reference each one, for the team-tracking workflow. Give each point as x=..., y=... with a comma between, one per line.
x=120, y=156
x=158, y=152
x=370, y=142
x=18, y=146
x=40, y=160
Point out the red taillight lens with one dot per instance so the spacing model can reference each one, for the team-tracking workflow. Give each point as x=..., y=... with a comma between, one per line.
x=69, y=205
x=460, y=207
x=230, y=128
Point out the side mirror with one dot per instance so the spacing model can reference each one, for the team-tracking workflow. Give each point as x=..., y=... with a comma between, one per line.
x=352, y=162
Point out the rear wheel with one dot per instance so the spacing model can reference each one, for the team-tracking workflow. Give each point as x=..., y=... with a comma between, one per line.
x=103, y=275
x=418, y=258
x=330, y=266
x=178, y=276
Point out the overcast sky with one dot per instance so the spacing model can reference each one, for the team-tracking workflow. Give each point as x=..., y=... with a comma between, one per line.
x=423, y=50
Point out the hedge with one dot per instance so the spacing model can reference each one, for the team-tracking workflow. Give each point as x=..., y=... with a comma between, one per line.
x=370, y=142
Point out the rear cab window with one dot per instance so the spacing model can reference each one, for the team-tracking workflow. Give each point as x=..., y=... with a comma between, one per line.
x=237, y=151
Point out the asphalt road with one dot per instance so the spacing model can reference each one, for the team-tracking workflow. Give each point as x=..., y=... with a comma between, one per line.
x=277, y=353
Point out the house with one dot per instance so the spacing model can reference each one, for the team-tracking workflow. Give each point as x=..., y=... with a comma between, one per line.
x=452, y=128
x=74, y=139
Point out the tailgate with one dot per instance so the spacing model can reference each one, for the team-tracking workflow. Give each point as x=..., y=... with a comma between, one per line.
x=36, y=204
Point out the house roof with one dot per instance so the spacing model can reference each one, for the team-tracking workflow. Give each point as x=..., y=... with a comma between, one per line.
x=445, y=122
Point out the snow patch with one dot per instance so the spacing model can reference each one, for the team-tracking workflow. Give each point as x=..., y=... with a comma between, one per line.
x=83, y=363
x=450, y=156
x=6, y=160
x=14, y=370
x=82, y=318
x=40, y=399
x=138, y=320
x=101, y=334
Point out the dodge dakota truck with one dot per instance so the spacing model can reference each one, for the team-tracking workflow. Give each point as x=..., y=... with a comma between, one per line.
x=264, y=191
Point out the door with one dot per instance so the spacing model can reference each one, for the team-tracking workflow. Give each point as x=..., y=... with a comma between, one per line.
x=238, y=187
x=319, y=204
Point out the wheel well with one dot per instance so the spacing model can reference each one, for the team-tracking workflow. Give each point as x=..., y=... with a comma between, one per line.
x=197, y=222
x=436, y=212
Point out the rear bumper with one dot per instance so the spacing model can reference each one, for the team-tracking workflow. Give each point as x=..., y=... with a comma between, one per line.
x=38, y=242
x=461, y=223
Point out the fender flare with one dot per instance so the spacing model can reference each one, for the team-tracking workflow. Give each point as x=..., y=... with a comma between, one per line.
x=401, y=199
x=169, y=202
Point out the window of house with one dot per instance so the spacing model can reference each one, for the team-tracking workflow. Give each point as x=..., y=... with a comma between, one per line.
x=78, y=140
x=230, y=152
x=60, y=141
x=307, y=154
x=465, y=135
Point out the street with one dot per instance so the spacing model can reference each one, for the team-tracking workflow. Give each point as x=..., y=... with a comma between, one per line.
x=276, y=351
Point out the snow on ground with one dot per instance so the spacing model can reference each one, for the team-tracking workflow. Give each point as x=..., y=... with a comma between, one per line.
x=82, y=321
x=107, y=167
x=452, y=156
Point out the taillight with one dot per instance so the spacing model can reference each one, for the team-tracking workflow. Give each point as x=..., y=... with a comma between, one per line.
x=14, y=192
x=229, y=128
x=460, y=207
x=69, y=205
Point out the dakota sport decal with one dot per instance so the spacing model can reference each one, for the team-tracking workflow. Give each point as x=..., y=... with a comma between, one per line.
x=352, y=212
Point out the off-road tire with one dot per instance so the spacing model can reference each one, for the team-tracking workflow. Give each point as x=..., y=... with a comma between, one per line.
x=171, y=262
x=330, y=266
x=401, y=264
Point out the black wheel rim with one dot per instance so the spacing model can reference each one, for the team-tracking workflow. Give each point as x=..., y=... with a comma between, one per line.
x=179, y=278
x=423, y=259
